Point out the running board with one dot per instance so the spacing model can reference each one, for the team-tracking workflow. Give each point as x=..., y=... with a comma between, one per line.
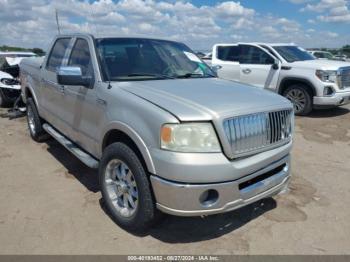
x=73, y=148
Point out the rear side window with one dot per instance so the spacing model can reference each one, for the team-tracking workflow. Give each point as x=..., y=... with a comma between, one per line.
x=255, y=56
x=80, y=57
x=318, y=55
x=57, y=54
x=228, y=53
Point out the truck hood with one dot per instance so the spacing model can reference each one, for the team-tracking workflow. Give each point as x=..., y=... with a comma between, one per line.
x=320, y=64
x=206, y=98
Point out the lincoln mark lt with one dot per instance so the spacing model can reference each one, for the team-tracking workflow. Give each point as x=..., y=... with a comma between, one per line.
x=164, y=132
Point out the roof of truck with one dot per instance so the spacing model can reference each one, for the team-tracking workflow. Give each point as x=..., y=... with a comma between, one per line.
x=101, y=36
x=257, y=43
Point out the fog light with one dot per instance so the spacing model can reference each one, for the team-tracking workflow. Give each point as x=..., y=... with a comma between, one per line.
x=209, y=197
x=328, y=91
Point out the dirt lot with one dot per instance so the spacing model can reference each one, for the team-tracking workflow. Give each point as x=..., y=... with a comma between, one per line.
x=50, y=204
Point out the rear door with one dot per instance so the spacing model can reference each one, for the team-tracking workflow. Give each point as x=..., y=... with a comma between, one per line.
x=227, y=58
x=52, y=94
x=256, y=67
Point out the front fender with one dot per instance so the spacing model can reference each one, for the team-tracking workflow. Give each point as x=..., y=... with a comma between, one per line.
x=28, y=87
x=119, y=126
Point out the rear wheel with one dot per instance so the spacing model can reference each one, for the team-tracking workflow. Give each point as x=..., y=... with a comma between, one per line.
x=36, y=130
x=301, y=99
x=126, y=189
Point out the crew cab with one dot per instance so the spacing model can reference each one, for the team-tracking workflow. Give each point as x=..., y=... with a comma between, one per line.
x=164, y=132
x=287, y=70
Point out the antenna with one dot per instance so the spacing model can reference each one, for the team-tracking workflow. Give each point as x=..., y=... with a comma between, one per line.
x=57, y=22
x=92, y=15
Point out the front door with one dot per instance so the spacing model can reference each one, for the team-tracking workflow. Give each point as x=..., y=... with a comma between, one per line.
x=82, y=101
x=256, y=67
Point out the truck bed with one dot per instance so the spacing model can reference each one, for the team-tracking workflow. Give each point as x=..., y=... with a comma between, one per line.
x=31, y=65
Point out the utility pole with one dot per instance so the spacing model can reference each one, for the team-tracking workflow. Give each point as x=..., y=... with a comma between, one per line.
x=57, y=22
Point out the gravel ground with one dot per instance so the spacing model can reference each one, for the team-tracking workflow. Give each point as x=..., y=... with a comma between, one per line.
x=50, y=203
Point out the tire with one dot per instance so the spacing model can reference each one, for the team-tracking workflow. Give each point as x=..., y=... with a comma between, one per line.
x=122, y=176
x=301, y=98
x=36, y=130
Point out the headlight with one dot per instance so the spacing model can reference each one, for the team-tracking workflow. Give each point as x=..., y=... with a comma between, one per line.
x=190, y=137
x=328, y=76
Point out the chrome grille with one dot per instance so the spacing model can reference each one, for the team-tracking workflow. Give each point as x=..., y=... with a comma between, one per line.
x=258, y=132
x=344, y=78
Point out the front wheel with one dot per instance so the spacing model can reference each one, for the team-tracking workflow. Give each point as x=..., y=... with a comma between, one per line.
x=126, y=189
x=300, y=98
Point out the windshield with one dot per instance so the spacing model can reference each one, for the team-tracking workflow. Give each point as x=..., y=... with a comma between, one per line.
x=130, y=59
x=293, y=53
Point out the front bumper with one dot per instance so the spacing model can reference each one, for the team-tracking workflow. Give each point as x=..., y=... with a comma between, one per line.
x=338, y=99
x=184, y=199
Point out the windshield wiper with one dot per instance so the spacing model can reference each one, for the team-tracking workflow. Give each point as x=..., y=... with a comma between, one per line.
x=188, y=75
x=152, y=75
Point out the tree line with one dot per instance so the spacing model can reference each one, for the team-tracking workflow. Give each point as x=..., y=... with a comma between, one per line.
x=36, y=50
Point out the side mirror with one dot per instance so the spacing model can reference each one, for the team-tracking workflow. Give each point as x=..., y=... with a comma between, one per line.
x=216, y=68
x=276, y=64
x=72, y=75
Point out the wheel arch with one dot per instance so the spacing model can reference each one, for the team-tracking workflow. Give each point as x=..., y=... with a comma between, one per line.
x=120, y=132
x=288, y=81
x=29, y=93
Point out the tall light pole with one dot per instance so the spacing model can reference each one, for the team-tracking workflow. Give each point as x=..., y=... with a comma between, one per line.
x=57, y=22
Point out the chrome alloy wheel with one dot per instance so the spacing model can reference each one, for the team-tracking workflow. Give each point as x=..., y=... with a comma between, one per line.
x=297, y=97
x=31, y=121
x=121, y=188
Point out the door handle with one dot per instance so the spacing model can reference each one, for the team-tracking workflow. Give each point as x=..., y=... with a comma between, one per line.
x=246, y=71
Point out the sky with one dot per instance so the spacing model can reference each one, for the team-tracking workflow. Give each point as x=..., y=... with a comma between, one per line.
x=198, y=23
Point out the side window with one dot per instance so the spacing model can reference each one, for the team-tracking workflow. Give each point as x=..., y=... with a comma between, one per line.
x=228, y=53
x=254, y=55
x=57, y=54
x=318, y=55
x=80, y=56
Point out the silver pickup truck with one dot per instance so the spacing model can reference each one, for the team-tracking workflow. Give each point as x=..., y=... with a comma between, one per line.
x=164, y=132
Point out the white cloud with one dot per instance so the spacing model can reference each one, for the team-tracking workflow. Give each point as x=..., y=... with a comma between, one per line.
x=32, y=22
x=233, y=9
x=300, y=1
x=332, y=34
x=333, y=10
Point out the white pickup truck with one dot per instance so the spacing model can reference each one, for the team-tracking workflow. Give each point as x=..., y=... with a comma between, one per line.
x=287, y=70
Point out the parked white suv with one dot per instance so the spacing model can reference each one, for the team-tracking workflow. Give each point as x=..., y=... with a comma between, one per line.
x=288, y=70
x=322, y=55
